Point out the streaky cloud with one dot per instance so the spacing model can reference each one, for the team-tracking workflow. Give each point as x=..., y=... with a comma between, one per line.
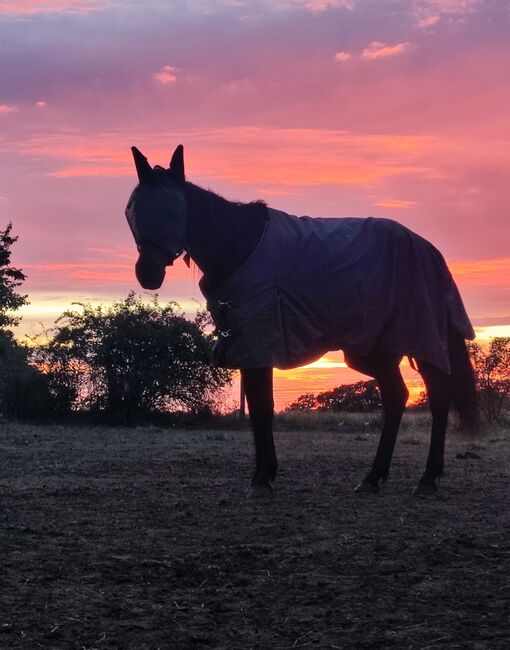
x=30, y=7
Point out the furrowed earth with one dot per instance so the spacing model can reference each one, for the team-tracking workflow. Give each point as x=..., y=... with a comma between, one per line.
x=143, y=539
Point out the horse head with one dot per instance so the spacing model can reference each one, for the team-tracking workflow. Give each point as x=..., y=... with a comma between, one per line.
x=156, y=213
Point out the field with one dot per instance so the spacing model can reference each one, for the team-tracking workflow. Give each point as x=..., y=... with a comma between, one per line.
x=143, y=539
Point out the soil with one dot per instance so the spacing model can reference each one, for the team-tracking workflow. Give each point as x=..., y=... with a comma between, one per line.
x=143, y=539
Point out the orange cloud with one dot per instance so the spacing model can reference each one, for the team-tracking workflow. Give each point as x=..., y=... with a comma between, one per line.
x=166, y=75
x=91, y=170
x=249, y=155
x=24, y=7
x=378, y=50
x=307, y=157
x=276, y=191
x=97, y=271
x=321, y=173
x=86, y=270
x=482, y=272
x=395, y=203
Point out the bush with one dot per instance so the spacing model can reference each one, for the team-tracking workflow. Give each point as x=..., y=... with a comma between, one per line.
x=130, y=361
x=361, y=397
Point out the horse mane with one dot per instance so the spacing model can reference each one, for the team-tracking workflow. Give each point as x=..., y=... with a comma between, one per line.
x=209, y=201
x=226, y=221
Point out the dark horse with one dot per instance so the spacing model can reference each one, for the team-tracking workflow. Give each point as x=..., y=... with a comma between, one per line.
x=283, y=290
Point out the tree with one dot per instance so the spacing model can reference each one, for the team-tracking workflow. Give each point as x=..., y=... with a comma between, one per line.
x=10, y=279
x=17, y=379
x=492, y=368
x=306, y=402
x=130, y=360
x=363, y=396
x=24, y=391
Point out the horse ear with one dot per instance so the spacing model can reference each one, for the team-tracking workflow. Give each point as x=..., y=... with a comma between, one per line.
x=177, y=165
x=143, y=169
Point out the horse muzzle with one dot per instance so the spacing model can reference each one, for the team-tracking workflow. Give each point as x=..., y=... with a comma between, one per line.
x=149, y=274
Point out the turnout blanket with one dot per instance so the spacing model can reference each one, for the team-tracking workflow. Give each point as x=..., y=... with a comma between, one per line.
x=319, y=284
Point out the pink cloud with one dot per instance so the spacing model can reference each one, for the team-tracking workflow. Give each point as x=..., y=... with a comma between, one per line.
x=166, y=75
x=323, y=5
x=343, y=56
x=429, y=12
x=6, y=108
x=315, y=6
x=24, y=7
x=449, y=6
x=429, y=21
x=378, y=50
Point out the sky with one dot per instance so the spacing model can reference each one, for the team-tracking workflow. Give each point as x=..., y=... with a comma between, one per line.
x=391, y=108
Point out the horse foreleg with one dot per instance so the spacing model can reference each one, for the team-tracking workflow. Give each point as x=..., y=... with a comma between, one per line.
x=258, y=387
x=438, y=388
x=394, y=395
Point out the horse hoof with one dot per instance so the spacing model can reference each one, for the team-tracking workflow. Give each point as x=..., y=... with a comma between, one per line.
x=366, y=487
x=425, y=490
x=260, y=491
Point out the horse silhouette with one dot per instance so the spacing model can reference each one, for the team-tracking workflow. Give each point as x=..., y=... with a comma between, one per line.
x=283, y=290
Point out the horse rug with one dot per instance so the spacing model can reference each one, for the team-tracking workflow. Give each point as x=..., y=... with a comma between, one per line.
x=318, y=284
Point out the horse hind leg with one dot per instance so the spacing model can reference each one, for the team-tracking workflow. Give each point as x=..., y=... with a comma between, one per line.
x=438, y=386
x=394, y=395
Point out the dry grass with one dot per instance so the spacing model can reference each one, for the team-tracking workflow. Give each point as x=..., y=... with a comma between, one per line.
x=412, y=422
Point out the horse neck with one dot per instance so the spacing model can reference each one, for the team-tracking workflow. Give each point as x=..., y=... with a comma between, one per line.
x=221, y=234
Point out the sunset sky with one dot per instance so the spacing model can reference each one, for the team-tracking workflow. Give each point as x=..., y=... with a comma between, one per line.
x=393, y=108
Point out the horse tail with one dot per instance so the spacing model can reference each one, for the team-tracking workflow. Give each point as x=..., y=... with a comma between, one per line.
x=463, y=382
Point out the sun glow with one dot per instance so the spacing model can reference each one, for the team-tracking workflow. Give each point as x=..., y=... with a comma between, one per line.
x=486, y=333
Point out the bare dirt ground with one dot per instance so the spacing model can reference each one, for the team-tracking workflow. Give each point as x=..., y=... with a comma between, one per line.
x=142, y=538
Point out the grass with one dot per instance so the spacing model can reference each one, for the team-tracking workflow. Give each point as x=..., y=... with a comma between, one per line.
x=412, y=422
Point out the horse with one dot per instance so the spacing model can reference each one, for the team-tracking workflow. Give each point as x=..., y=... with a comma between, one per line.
x=283, y=290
